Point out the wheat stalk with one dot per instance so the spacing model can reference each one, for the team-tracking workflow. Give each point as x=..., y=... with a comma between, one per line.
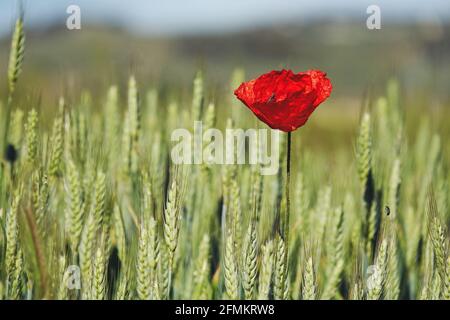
x=75, y=206
x=202, y=287
x=17, y=281
x=265, y=275
x=197, y=96
x=16, y=55
x=439, y=242
x=142, y=267
x=57, y=142
x=31, y=136
x=309, y=290
x=16, y=132
x=337, y=256
x=280, y=272
x=172, y=219
x=230, y=269
x=99, y=274
x=119, y=234
x=12, y=240
x=378, y=278
x=249, y=265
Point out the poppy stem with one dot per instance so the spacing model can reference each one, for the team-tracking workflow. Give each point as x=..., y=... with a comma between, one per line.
x=288, y=183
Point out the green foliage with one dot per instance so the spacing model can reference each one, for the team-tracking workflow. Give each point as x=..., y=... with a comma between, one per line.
x=140, y=228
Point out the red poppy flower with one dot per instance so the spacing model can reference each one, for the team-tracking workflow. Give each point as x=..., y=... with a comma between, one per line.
x=285, y=100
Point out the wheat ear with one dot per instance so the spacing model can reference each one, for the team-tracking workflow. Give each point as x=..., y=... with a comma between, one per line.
x=230, y=268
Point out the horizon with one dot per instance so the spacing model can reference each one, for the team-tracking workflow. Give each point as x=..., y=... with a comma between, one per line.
x=202, y=17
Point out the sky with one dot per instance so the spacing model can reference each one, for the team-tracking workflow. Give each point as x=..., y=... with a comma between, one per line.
x=173, y=17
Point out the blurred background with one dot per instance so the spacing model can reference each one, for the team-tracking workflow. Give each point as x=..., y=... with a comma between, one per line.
x=165, y=42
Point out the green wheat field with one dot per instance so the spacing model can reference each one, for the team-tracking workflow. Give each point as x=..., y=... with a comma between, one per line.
x=92, y=207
